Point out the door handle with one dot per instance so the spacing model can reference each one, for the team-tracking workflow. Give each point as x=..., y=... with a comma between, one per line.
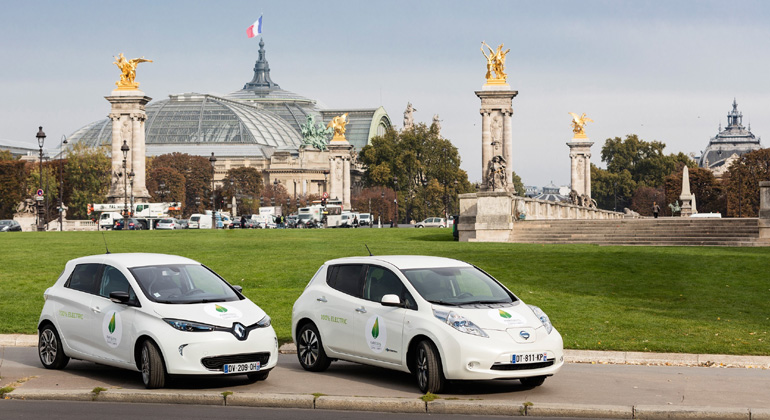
x=321, y=299
x=96, y=309
x=361, y=310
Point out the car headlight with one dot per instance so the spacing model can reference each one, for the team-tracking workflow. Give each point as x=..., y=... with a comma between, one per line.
x=264, y=322
x=459, y=322
x=183, y=325
x=543, y=318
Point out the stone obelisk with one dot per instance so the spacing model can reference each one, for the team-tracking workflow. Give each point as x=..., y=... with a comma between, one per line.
x=128, y=117
x=339, y=161
x=686, y=197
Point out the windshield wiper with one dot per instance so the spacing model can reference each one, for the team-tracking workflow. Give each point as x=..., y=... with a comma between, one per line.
x=484, y=302
x=441, y=302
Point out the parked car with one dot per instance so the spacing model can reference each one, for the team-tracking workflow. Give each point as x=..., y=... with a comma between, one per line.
x=438, y=222
x=251, y=224
x=184, y=223
x=9, y=225
x=132, y=223
x=235, y=224
x=168, y=224
x=156, y=314
x=438, y=318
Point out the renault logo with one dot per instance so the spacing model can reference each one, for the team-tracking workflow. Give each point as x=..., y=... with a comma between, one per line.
x=524, y=335
x=239, y=331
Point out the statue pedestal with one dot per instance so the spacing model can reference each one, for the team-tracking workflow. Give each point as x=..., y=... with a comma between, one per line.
x=128, y=116
x=339, y=171
x=486, y=217
x=580, y=168
x=496, y=134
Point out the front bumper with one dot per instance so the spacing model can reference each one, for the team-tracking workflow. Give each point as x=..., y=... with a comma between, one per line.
x=204, y=353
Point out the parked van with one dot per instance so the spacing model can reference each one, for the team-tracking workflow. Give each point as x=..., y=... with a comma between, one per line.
x=107, y=219
x=200, y=221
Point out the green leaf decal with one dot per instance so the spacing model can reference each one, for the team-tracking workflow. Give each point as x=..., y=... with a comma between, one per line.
x=112, y=324
x=220, y=308
x=504, y=314
x=376, y=328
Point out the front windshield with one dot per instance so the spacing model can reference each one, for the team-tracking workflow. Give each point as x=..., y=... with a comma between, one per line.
x=457, y=286
x=182, y=283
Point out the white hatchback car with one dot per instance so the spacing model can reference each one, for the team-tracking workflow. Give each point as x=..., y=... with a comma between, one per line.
x=158, y=314
x=439, y=318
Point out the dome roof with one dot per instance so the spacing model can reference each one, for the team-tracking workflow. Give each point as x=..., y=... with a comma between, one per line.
x=733, y=140
x=195, y=119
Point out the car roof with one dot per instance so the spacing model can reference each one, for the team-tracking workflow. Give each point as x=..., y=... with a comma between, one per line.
x=137, y=259
x=403, y=262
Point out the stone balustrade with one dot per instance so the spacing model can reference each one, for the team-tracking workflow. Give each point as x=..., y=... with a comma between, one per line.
x=535, y=209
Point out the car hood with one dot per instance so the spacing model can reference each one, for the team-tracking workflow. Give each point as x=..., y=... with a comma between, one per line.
x=222, y=314
x=496, y=317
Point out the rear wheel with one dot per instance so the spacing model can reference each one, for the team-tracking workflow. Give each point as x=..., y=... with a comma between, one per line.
x=310, y=350
x=153, y=370
x=533, y=381
x=430, y=377
x=49, y=349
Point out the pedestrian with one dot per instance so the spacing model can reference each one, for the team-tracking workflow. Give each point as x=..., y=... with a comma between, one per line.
x=655, y=209
x=243, y=221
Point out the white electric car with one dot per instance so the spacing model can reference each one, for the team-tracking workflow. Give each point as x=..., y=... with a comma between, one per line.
x=439, y=318
x=158, y=314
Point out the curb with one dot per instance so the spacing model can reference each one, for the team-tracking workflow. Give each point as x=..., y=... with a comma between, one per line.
x=396, y=405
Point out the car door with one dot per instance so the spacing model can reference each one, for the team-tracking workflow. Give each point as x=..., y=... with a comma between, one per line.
x=114, y=333
x=379, y=327
x=73, y=310
x=339, y=305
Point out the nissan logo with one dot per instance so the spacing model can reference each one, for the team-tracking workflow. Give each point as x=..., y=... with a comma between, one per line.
x=524, y=335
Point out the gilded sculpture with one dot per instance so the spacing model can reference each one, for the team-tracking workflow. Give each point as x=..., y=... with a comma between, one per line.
x=338, y=124
x=495, y=63
x=128, y=71
x=578, y=124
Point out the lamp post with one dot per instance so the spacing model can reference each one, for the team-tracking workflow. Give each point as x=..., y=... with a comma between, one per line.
x=326, y=176
x=124, y=149
x=40, y=211
x=162, y=191
x=395, y=201
x=61, y=182
x=213, y=162
x=425, y=191
x=379, y=216
x=131, y=176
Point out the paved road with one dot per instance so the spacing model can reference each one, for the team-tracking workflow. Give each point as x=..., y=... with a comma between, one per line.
x=584, y=384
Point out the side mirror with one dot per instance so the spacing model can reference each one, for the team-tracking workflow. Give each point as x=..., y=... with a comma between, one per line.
x=238, y=289
x=390, y=300
x=119, y=297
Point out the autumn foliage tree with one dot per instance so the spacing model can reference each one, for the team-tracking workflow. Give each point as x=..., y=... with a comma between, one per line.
x=742, y=183
x=12, y=184
x=196, y=171
x=86, y=178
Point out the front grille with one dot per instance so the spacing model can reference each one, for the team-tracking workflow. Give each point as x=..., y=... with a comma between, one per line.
x=217, y=362
x=521, y=366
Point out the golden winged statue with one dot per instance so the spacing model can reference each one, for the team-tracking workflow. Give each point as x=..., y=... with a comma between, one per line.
x=338, y=124
x=128, y=71
x=578, y=124
x=495, y=63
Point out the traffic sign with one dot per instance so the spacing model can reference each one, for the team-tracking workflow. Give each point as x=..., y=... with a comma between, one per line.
x=40, y=193
x=326, y=194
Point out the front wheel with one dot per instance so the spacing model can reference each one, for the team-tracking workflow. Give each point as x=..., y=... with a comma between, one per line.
x=153, y=370
x=50, y=350
x=310, y=349
x=533, y=381
x=430, y=377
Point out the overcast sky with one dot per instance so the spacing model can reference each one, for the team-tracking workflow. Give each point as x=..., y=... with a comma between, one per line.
x=665, y=70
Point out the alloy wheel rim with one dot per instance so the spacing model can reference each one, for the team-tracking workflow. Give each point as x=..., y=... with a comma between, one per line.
x=145, y=365
x=48, y=346
x=308, y=348
x=422, y=368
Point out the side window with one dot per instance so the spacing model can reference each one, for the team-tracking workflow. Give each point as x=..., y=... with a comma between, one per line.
x=347, y=279
x=85, y=278
x=114, y=281
x=381, y=282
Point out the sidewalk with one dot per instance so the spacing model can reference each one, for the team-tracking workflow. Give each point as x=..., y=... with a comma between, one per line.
x=593, y=384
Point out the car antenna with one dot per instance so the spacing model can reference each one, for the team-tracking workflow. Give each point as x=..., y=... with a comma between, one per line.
x=367, y=248
x=105, y=243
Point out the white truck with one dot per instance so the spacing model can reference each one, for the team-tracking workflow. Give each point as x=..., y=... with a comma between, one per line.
x=147, y=213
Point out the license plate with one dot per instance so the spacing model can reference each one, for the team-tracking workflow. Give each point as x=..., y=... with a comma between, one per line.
x=242, y=367
x=529, y=358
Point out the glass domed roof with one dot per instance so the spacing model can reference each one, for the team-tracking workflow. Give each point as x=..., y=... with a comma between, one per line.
x=197, y=119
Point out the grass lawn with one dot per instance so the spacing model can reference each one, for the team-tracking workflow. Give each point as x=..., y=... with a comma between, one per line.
x=664, y=299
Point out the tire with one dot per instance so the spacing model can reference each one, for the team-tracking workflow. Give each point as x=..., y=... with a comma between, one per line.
x=257, y=376
x=152, y=367
x=310, y=349
x=430, y=376
x=532, y=382
x=50, y=350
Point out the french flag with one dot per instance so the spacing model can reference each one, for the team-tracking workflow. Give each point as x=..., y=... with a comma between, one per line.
x=255, y=29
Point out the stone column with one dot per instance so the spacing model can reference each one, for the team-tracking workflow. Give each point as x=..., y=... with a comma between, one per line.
x=764, y=211
x=496, y=133
x=128, y=115
x=580, y=165
x=346, y=187
x=339, y=171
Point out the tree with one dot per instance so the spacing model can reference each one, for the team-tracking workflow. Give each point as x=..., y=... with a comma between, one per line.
x=645, y=197
x=13, y=177
x=86, y=178
x=196, y=171
x=742, y=183
x=612, y=191
x=166, y=185
x=378, y=200
x=245, y=184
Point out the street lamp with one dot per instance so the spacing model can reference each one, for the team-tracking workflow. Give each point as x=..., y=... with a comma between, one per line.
x=40, y=211
x=124, y=149
x=382, y=202
x=131, y=176
x=61, y=182
x=326, y=175
x=395, y=200
x=213, y=162
x=162, y=191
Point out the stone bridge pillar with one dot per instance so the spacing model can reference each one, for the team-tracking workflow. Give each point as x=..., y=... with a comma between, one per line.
x=764, y=211
x=128, y=117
